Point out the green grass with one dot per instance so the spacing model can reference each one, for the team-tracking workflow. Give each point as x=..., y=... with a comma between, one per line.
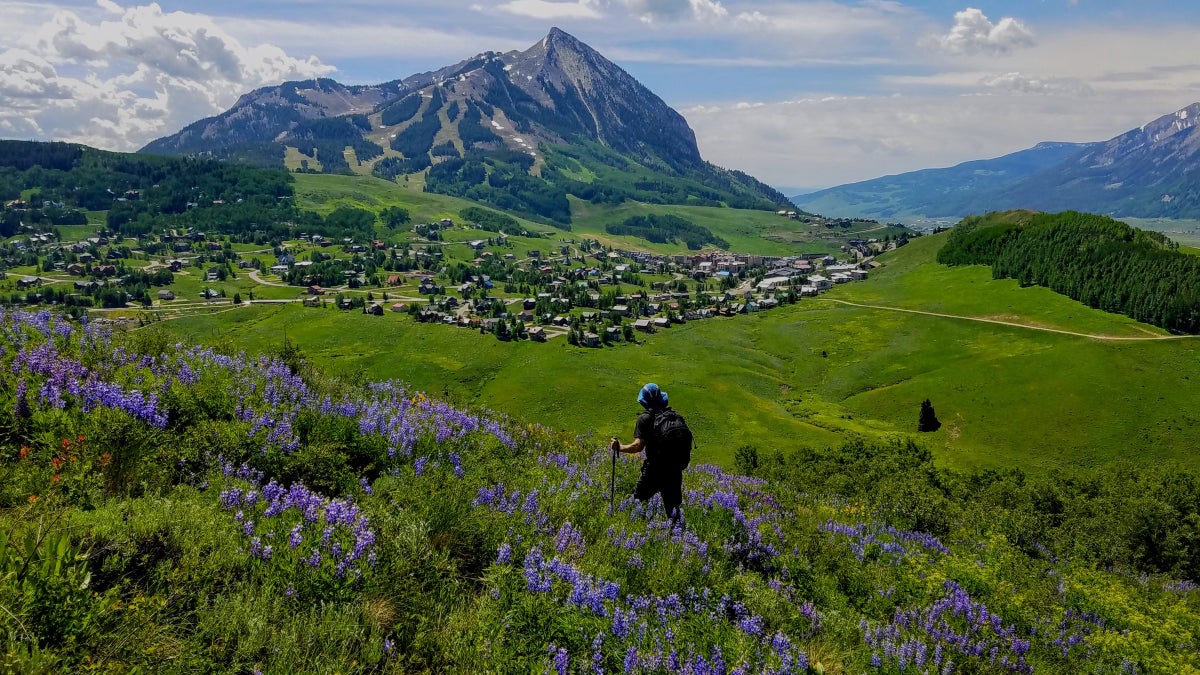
x=808, y=374
x=747, y=231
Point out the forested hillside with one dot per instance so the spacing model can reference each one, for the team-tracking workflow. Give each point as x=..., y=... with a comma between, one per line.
x=148, y=193
x=240, y=514
x=1096, y=260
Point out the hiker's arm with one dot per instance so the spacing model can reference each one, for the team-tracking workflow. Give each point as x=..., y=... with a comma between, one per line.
x=633, y=448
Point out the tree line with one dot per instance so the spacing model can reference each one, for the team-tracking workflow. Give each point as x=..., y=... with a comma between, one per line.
x=1096, y=260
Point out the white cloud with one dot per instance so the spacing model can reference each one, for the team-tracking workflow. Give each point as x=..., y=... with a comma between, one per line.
x=131, y=74
x=826, y=140
x=974, y=33
x=1025, y=84
x=549, y=9
x=651, y=11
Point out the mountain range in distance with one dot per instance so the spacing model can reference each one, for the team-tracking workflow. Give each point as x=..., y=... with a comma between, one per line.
x=1152, y=171
x=518, y=131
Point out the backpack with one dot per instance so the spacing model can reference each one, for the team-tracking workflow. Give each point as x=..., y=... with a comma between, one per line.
x=674, y=439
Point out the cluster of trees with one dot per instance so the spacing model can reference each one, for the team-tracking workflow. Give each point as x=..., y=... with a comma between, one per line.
x=667, y=229
x=1096, y=260
x=416, y=140
x=328, y=138
x=1144, y=517
x=403, y=110
x=502, y=180
x=474, y=134
x=492, y=221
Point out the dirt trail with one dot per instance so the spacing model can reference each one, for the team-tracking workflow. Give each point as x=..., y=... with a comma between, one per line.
x=1136, y=338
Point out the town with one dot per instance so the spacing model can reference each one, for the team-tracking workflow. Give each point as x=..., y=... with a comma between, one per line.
x=522, y=286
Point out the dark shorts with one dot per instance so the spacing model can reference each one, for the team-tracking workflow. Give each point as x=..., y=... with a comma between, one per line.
x=668, y=483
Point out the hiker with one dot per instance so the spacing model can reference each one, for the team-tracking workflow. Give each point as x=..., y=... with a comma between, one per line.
x=668, y=451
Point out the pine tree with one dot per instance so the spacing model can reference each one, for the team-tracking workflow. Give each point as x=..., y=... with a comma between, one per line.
x=928, y=420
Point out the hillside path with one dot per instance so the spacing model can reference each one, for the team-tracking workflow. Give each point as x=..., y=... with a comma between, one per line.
x=1135, y=338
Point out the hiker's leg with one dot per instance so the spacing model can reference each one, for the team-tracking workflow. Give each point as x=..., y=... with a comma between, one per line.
x=672, y=496
x=646, y=486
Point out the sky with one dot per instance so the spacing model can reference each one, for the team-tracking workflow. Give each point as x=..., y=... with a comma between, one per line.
x=800, y=93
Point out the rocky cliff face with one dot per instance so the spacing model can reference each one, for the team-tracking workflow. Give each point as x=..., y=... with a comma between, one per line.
x=263, y=115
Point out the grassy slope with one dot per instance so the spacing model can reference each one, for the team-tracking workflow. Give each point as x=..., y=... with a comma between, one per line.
x=747, y=231
x=1006, y=395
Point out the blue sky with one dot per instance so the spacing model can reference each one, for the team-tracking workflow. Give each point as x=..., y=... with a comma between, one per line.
x=806, y=93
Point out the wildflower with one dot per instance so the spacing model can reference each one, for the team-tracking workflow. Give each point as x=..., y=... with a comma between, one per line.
x=33, y=498
x=24, y=451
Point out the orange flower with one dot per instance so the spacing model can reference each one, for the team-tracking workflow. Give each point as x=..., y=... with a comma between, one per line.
x=56, y=462
x=24, y=451
x=55, y=478
x=66, y=443
x=32, y=498
x=80, y=439
x=105, y=460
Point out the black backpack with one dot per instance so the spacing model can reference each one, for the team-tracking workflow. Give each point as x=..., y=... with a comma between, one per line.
x=673, y=438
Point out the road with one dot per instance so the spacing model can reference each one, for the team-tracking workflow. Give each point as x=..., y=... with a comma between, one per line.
x=1018, y=325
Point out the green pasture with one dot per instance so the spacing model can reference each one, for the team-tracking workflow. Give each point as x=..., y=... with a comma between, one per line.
x=912, y=280
x=810, y=373
x=747, y=231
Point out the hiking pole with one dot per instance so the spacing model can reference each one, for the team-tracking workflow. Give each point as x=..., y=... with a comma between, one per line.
x=612, y=497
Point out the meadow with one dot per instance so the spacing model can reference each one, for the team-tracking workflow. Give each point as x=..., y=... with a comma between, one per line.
x=746, y=231
x=810, y=374
x=174, y=508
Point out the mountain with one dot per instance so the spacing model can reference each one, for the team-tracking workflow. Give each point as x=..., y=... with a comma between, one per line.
x=935, y=192
x=519, y=131
x=1146, y=172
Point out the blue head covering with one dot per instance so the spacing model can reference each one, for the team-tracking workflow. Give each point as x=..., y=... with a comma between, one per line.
x=651, y=397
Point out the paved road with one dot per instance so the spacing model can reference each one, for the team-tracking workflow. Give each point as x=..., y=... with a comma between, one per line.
x=1018, y=325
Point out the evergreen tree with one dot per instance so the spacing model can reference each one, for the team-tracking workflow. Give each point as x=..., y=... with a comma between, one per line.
x=928, y=420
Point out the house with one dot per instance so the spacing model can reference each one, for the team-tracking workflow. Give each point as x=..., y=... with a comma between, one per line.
x=620, y=310
x=165, y=294
x=312, y=301
x=841, y=278
x=858, y=275
x=86, y=258
x=105, y=270
x=374, y=309
x=612, y=334
x=773, y=282
x=477, y=244
x=821, y=283
x=559, y=321
x=537, y=334
x=212, y=274
x=75, y=269
x=400, y=307
x=316, y=290
x=279, y=270
x=175, y=266
x=808, y=291
x=526, y=316
x=643, y=325
x=662, y=323
x=394, y=280
x=591, y=340
x=528, y=303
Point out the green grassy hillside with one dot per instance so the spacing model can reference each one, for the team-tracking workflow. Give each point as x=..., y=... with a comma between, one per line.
x=1007, y=395
x=746, y=231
